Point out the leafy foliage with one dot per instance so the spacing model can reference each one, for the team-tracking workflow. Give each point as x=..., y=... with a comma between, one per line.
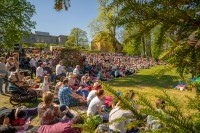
x=90, y=123
x=60, y=4
x=71, y=56
x=105, y=21
x=15, y=16
x=173, y=24
x=172, y=118
x=77, y=37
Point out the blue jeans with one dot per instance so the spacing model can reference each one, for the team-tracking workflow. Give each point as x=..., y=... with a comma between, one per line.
x=1, y=81
x=52, y=78
x=104, y=116
x=68, y=114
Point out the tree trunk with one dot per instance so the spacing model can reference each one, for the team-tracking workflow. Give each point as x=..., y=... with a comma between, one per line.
x=143, y=47
x=150, y=53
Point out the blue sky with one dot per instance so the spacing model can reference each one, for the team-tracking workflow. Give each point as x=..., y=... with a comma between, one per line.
x=49, y=20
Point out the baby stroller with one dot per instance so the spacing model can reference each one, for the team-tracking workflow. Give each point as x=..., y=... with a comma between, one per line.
x=21, y=94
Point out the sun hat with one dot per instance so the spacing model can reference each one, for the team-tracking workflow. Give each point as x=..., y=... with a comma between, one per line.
x=96, y=86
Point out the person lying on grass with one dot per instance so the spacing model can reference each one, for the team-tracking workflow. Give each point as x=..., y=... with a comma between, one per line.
x=7, y=129
x=13, y=117
x=66, y=126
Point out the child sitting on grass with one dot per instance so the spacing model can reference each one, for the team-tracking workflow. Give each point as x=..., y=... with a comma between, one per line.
x=46, y=84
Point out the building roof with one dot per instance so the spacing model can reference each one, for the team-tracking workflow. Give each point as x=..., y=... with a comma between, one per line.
x=42, y=33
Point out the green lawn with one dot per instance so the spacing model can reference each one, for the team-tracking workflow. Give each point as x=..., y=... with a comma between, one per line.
x=144, y=82
x=147, y=83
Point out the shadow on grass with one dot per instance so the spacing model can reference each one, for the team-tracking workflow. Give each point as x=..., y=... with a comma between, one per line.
x=165, y=81
x=33, y=104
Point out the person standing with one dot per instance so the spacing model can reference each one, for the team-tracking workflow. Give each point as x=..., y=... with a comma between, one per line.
x=16, y=60
x=33, y=64
x=10, y=67
x=3, y=73
x=40, y=72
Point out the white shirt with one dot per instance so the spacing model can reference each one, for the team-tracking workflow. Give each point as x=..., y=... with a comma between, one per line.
x=90, y=96
x=45, y=86
x=8, y=66
x=93, y=106
x=59, y=69
x=33, y=62
x=76, y=71
x=39, y=72
x=116, y=114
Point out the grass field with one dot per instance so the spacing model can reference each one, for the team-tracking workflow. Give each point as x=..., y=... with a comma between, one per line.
x=145, y=82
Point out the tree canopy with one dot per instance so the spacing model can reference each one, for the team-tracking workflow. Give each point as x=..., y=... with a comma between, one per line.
x=174, y=22
x=77, y=37
x=15, y=16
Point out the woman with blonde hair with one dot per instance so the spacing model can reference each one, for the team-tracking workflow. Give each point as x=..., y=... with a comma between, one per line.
x=49, y=112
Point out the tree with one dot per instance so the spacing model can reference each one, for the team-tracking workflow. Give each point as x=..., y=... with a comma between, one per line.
x=177, y=20
x=105, y=21
x=15, y=16
x=79, y=37
x=70, y=41
x=60, y=4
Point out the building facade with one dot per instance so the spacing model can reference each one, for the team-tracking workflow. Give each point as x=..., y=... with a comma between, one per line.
x=44, y=37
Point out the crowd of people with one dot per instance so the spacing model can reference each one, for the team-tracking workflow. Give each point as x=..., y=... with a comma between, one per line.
x=77, y=85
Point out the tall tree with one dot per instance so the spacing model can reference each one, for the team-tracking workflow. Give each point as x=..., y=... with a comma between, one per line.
x=177, y=20
x=79, y=37
x=106, y=20
x=15, y=20
x=70, y=41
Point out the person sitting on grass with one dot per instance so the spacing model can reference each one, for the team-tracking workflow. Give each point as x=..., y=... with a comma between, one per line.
x=67, y=97
x=152, y=122
x=13, y=115
x=40, y=72
x=46, y=84
x=60, y=71
x=49, y=112
x=77, y=71
x=17, y=79
x=72, y=81
x=117, y=113
x=95, y=106
x=58, y=86
x=92, y=94
x=100, y=76
x=130, y=95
